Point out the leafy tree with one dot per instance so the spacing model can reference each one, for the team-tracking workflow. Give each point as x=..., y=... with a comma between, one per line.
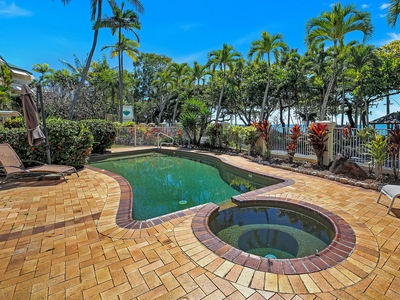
x=334, y=26
x=5, y=85
x=194, y=119
x=127, y=20
x=265, y=46
x=44, y=70
x=179, y=74
x=96, y=7
x=393, y=13
x=224, y=59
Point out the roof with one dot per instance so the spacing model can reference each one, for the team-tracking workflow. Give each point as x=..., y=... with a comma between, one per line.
x=14, y=67
x=392, y=118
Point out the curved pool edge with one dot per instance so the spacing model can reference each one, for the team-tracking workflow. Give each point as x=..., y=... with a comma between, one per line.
x=123, y=212
x=341, y=247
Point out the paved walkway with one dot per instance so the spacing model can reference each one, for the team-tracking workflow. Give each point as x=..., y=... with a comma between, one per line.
x=60, y=241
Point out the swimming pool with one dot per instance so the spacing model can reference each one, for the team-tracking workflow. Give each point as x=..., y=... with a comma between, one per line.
x=163, y=183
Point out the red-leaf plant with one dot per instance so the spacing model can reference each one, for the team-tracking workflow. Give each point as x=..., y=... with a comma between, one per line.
x=317, y=137
x=292, y=145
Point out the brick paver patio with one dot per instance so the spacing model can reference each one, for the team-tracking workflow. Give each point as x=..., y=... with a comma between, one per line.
x=61, y=241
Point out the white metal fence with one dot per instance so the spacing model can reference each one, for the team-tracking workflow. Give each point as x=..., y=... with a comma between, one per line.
x=149, y=136
x=351, y=144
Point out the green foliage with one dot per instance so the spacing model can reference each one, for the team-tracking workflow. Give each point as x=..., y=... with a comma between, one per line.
x=376, y=147
x=70, y=143
x=14, y=122
x=104, y=133
x=317, y=137
x=5, y=84
x=194, y=119
x=214, y=132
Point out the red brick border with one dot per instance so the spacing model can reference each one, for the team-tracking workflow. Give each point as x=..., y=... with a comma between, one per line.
x=341, y=247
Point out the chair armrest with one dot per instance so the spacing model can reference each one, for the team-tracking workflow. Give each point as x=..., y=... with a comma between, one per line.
x=35, y=161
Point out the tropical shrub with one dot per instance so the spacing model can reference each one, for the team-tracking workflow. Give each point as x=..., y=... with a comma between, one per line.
x=14, y=122
x=263, y=129
x=70, y=143
x=394, y=147
x=194, y=119
x=250, y=137
x=214, y=132
x=292, y=144
x=317, y=136
x=376, y=147
x=104, y=133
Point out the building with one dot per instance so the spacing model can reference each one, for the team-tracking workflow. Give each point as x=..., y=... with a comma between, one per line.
x=19, y=75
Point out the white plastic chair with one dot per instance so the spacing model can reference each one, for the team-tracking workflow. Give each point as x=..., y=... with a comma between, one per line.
x=392, y=191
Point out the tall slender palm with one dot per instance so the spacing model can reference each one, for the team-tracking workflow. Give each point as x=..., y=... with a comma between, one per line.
x=178, y=73
x=360, y=57
x=393, y=12
x=96, y=7
x=264, y=47
x=129, y=47
x=224, y=59
x=121, y=19
x=197, y=73
x=333, y=26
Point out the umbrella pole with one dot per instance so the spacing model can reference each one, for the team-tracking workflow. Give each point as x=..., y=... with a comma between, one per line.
x=47, y=146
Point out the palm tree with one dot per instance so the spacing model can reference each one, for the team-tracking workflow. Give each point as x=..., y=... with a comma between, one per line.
x=178, y=73
x=197, y=73
x=96, y=7
x=129, y=47
x=224, y=59
x=333, y=26
x=393, y=13
x=121, y=19
x=360, y=57
x=262, y=47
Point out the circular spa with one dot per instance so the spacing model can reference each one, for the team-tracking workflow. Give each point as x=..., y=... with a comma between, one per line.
x=280, y=231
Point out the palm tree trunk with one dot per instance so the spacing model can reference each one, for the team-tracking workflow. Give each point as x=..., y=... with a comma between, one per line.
x=88, y=62
x=265, y=97
x=328, y=90
x=220, y=100
x=175, y=110
x=121, y=78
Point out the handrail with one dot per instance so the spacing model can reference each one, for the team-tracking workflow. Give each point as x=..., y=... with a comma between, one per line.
x=158, y=140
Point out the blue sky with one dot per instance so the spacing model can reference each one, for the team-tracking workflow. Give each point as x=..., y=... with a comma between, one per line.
x=45, y=31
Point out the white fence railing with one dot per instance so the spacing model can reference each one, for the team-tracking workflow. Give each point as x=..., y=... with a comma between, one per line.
x=352, y=144
x=149, y=136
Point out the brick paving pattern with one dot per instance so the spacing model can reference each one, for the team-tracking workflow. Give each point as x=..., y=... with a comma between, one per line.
x=65, y=241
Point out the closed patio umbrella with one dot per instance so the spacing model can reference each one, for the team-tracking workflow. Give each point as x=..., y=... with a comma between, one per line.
x=35, y=134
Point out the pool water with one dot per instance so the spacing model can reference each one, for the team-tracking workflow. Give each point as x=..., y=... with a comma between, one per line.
x=163, y=184
x=273, y=232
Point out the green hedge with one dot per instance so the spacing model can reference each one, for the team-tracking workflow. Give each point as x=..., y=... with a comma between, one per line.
x=104, y=133
x=70, y=143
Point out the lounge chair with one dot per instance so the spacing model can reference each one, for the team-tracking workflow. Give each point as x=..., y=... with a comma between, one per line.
x=12, y=165
x=392, y=191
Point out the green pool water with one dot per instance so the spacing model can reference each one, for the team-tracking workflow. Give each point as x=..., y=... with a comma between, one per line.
x=163, y=184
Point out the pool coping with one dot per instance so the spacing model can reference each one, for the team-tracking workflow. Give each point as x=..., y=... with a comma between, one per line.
x=341, y=247
x=124, y=213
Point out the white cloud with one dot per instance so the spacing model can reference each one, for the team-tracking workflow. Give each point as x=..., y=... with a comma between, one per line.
x=384, y=5
x=382, y=15
x=365, y=6
x=394, y=36
x=12, y=10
